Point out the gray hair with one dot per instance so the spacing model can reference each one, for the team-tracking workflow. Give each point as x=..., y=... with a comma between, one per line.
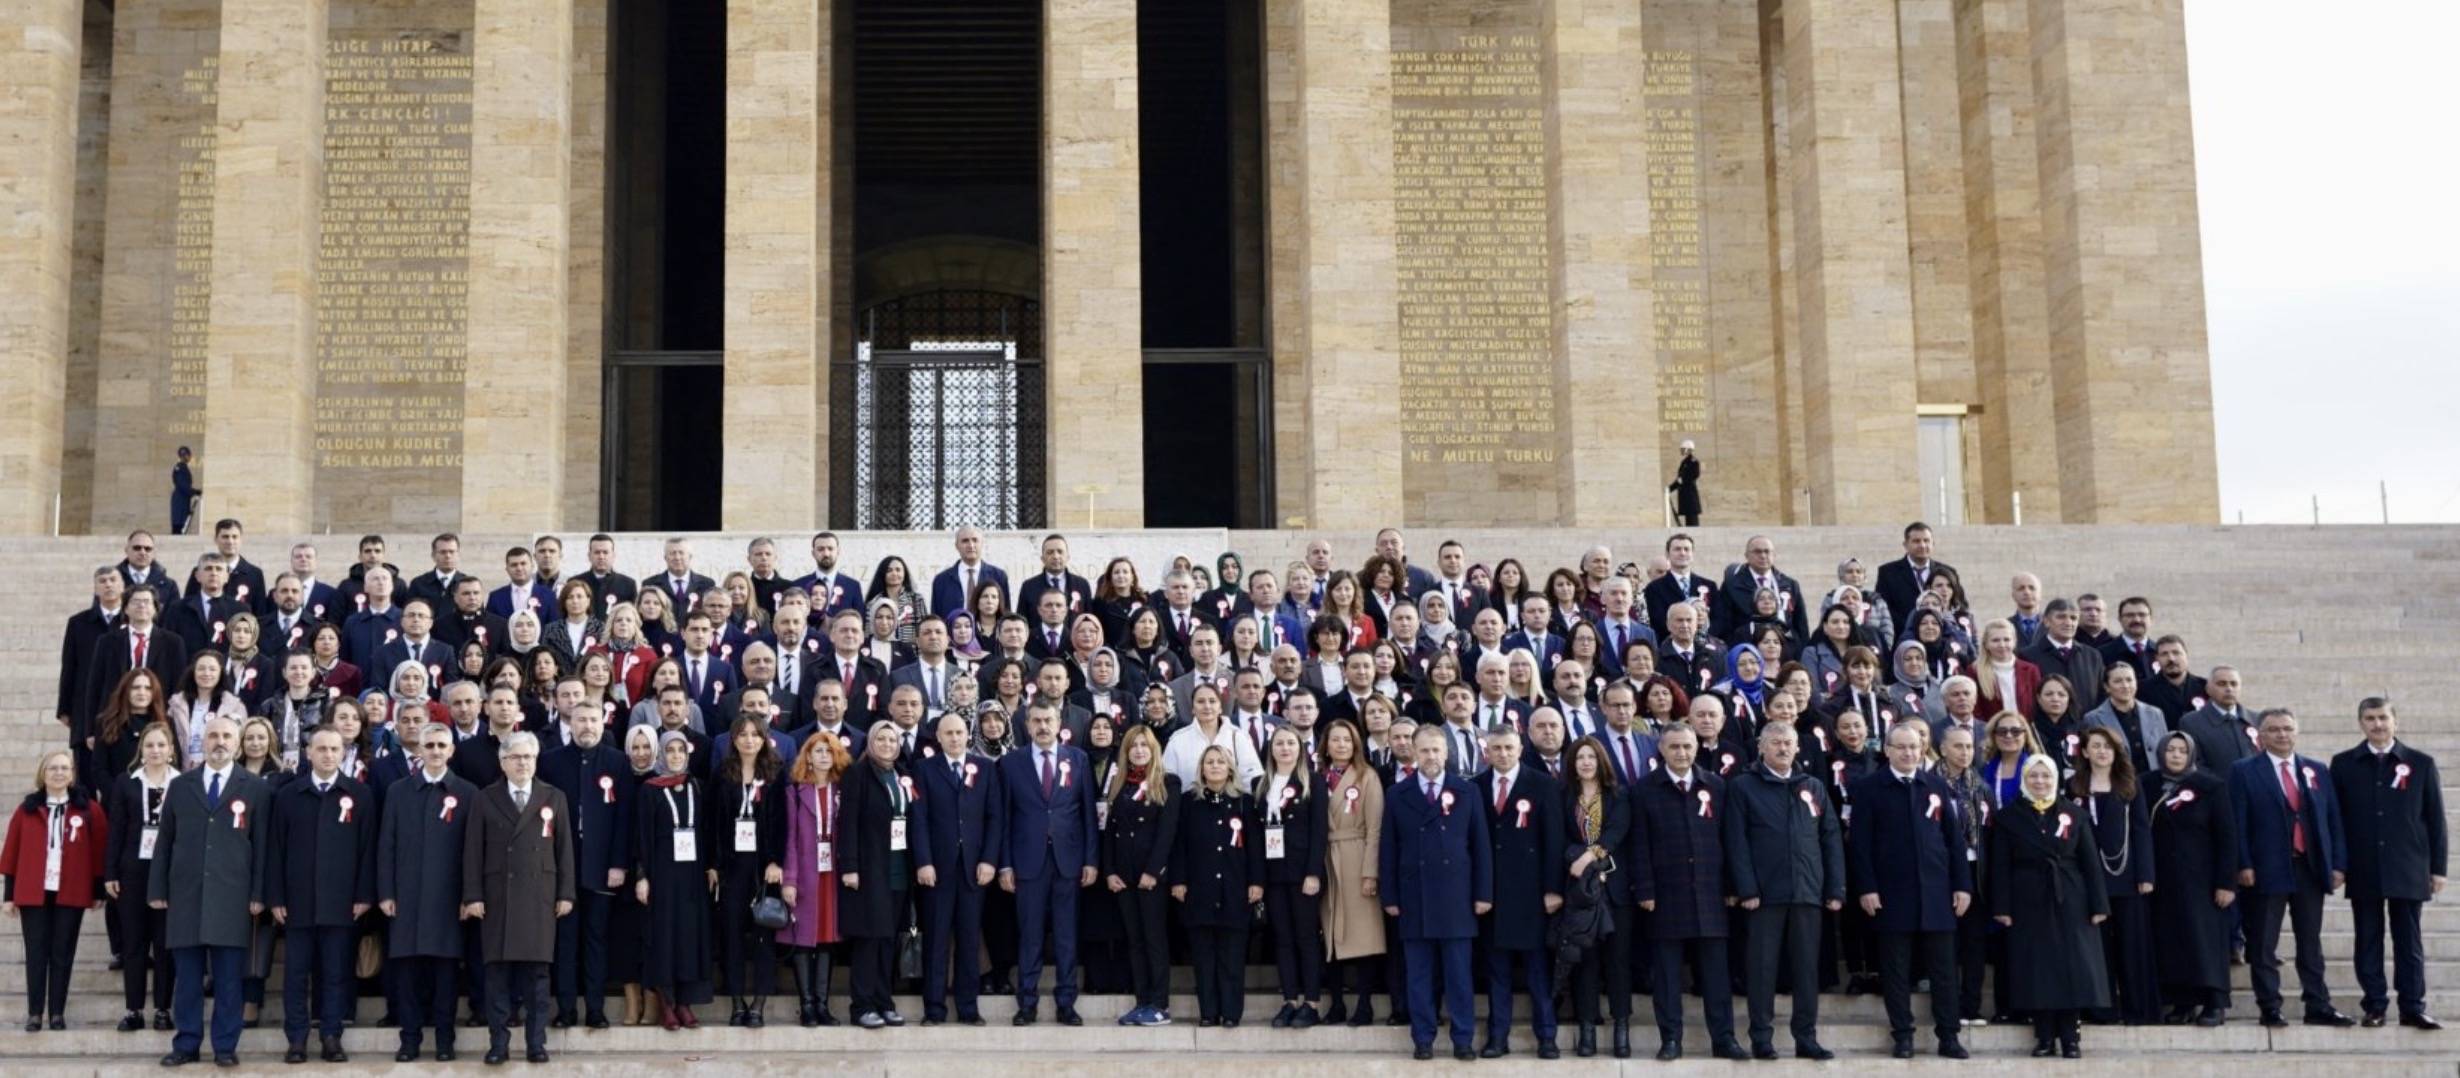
x=517, y=741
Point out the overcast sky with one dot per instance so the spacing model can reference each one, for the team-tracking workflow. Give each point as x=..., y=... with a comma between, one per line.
x=2329, y=183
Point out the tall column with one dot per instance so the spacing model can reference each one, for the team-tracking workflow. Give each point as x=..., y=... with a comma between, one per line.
x=1606, y=359
x=1347, y=266
x=1851, y=258
x=2011, y=312
x=512, y=475
x=1092, y=265
x=38, y=174
x=777, y=202
x=2130, y=367
x=260, y=345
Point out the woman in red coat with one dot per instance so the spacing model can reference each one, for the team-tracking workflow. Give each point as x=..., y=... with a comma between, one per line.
x=1998, y=672
x=811, y=870
x=51, y=870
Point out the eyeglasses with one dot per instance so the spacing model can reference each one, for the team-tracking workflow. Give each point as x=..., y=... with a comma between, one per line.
x=141, y=549
x=2007, y=733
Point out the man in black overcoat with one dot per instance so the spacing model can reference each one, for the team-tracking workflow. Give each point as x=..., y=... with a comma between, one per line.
x=2391, y=811
x=418, y=885
x=1676, y=856
x=1905, y=860
x=1787, y=858
x=209, y=874
x=1524, y=828
x=320, y=878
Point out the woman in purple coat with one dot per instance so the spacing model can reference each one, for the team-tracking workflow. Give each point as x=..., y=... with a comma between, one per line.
x=811, y=871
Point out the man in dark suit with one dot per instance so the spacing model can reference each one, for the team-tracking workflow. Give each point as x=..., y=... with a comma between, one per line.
x=247, y=582
x=417, y=643
x=208, y=873
x=708, y=677
x=831, y=590
x=138, y=641
x=1534, y=637
x=524, y=592
x=930, y=672
x=865, y=680
x=1676, y=855
x=1389, y=543
x=953, y=588
x=681, y=585
x=1787, y=858
x=347, y=597
x=966, y=829
x=1524, y=826
x=1452, y=579
x=316, y=597
x=320, y=878
x=2223, y=729
x=1628, y=747
x=2060, y=652
x=203, y=619
x=287, y=620
x=517, y=881
x=1692, y=660
x=2133, y=644
x=418, y=880
x=1055, y=577
x=1901, y=582
x=1733, y=611
x=1437, y=869
x=2289, y=834
x=1049, y=638
x=468, y=619
x=608, y=587
x=2391, y=802
x=77, y=651
x=138, y=568
x=762, y=670
x=1275, y=623
x=2171, y=687
x=597, y=782
x=436, y=585
x=1905, y=858
x=1047, y=799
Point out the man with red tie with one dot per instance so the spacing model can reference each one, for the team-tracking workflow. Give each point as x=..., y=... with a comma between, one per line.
x=2289, y=836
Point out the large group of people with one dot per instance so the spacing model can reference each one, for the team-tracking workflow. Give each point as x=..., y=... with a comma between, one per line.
x=574, y=797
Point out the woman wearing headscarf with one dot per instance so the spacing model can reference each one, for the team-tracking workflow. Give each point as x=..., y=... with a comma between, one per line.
x=674, y=851
x=883, y=853
x=1910, y=684
x=2044, y=887
x=409, y=686
x=626, y=919
x=1745, y=689
x=2197, y=840
x=1943, y=651
x=1106, y=690
x=1229, y=585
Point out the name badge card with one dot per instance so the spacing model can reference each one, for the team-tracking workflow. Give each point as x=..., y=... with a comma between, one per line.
x=687, y=845
x=145, y=843
x=896, y=834
x=747, y=836
x=1276, y=845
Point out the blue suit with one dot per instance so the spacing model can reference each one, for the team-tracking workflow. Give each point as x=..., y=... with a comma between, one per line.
x=847, y=594
x=597, y=783
x=717, y=681
x=2287, y=881
x=965, y=830
x=948, y=588
x=1049, y=842
x=1547, y=654
x=1436, y=865
x=538, y=600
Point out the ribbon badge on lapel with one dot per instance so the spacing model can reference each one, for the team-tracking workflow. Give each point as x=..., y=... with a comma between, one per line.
x=450, y=803
x=1810, y=802
x=1349, y=799
x=906, y=781
x=1523, y=806
x=546, y=823
x=606, y=788
x=218, y=626
x=2066, y=823
x=1820, y=734
x=1725, y=761
x=76, y=824
x=1447, y=802
x=347, y=805
x=1933, y=812
x=1707, y=812
x=1063, y=774
x=1238, y=832
x=969, y=774
x=2400, y=777
x=1837, y=769
x=2184, y=798
x=239, y=815
x=2310, y=777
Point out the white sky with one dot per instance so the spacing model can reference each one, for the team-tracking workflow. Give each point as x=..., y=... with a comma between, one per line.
x=2326, y=169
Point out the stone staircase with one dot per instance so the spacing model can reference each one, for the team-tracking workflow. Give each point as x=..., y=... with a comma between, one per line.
x=2314, y=618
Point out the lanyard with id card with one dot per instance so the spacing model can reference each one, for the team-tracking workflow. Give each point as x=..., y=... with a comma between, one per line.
x=686, y=815
x=747, y=829
x=899, y=798
x=824, y=812
x=153, y=826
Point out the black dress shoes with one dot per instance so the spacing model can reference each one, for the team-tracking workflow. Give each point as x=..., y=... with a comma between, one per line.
x=2420, y=1021
x=497, y=1056
x=2272, y=1020
x=297, y=1053
x=1464, y=1053
x=1763, y=1051
x=445, y=1055
x=1728, y=1050
x=1024, y=1017
x=2373, y=1020
x=1953, y=1050
x=539, y=1056
x=1547, y=1050
x=2329, y=1017
x=2209, y=1018
x=1496, y=1048
x=1902, y=1050
x=406, y=1055
x=1067, y=1017
x=1669, y=1051
x=1423, y=1052
x=1812, y=1051
x=226, y=1059
x=333, y=1051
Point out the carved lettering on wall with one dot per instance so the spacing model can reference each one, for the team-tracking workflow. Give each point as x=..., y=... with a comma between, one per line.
x=1677, y=166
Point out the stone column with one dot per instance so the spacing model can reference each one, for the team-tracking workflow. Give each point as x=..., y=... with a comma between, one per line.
x=2011, y=313
x=1346, y=267
x=1606, y=359
x=260, y=346
x=777, y=200
x=38, y=127
x=1092, y=265
x=2130, y=368
x=1851, y=259
x=512, y=475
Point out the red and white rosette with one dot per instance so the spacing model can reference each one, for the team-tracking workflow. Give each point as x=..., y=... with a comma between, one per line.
x=347, y=805
x=1349, y=800
x=239, y=815
x=76, y=824
x=1932, y=813
x=218, y=627
x=2400, y=777
x=1725, y=761
x=1810, y=802
x=1063, y=774
x=1523, y=807
x=970, y=769
x=1447, y=802
x=2310, y=777
x=2066, y=823
x=606, y=788
x=906, y=781
x=450, y=803
x=546, y=822
x=2183, y=798
x=1238, y=832
x=1707, y=803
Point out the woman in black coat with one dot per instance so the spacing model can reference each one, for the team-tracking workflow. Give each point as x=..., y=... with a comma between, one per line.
x=1849, y=936
x=750, y=860
x=882, y=852
x=2105, y=785
x=134, y=804
x=1137, y=832
x=1219, y=864
x=675, y=845
x=1101, y=932
x=2045, y=890
x=1291, y=829
x=2197, y=839
x=1596, y=822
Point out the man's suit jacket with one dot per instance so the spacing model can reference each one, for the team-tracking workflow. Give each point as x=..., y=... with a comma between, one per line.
x=201, y=629
x=112, y=658
x=2392, y=810
x=1436, y=860
x=210, y=860
x=866, y=694
x=166, y=593
x=1547, y=653
x=948, y=589
x=1907, y=846
x=1054, y=834
x=434, y=654
x=694, y=585
x=76, y=651
x=1528, y=843
x=322, y=851
x=536, y=599
x=436, y=589
x=1662, y=593
x=917, y=675
x=246, y=586
x=838, y=592
x=1029, y=593
x=1900, y=587
x=967, y=827
x=2079, y=663
x=608, y=590
x=598, y=783
x=520, y=863
x=1733, y=610
x=2118, y=649
x=2221, y=739
x=2264, y=822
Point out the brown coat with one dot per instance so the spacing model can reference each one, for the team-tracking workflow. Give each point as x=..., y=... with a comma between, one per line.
x=520, y=864
x=1353, y=923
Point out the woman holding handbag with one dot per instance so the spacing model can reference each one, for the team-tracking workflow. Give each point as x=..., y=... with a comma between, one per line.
x=748, y=863
x=810, y=884
x=1598, y=818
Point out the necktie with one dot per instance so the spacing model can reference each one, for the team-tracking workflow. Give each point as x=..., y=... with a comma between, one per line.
x=1631, y=761
x=698, y=680
x=521, y=800
x=213, y=790
x=1503, y=792
x=139, y=663
x=1618, y=640
x=1181, y=619
x=1433, y=789
x=785, y=671
x=1052, y=635
x=932, y=675
x=2297, y=819
x=956, y=770
x=969, y=586
x=1046, y=774
x=323, y=788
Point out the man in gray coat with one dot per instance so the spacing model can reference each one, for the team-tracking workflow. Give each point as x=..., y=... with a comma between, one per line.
x=209, y=874
x=516, y=879
x=418, y=885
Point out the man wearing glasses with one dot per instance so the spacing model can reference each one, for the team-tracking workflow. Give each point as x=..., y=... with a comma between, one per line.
x=418, y=885
x=520, y=846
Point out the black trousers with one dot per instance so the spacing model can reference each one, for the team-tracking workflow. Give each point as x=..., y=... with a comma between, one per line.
x=1396, y=973
x=429, y=987
x=580, y=953
x=1972, y=948
x=2127, y=951
x=999, y=932
x=1298, y=939
x=748, y=950
x=2304, y=909
x=321, y=957
x=1715, y=975
x=2057, y=1026
x=1609, y=961
x=1148, y=943
x=873, y=968
x=2408, y=953
x=1784, y=941
x=1221, y=971
x=51, y=952
x=1937, y=951
x=142, y=950
x=507, y=981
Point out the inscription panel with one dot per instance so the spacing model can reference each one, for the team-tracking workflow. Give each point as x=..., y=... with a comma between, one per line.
x=1678, y=247
x=1478, y=400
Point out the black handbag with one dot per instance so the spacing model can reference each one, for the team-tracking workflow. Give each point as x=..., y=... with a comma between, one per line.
x=1586, y=918
x=772, y=913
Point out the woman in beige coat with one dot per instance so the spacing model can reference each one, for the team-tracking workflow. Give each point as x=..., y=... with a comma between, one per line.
x=1353, y=917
